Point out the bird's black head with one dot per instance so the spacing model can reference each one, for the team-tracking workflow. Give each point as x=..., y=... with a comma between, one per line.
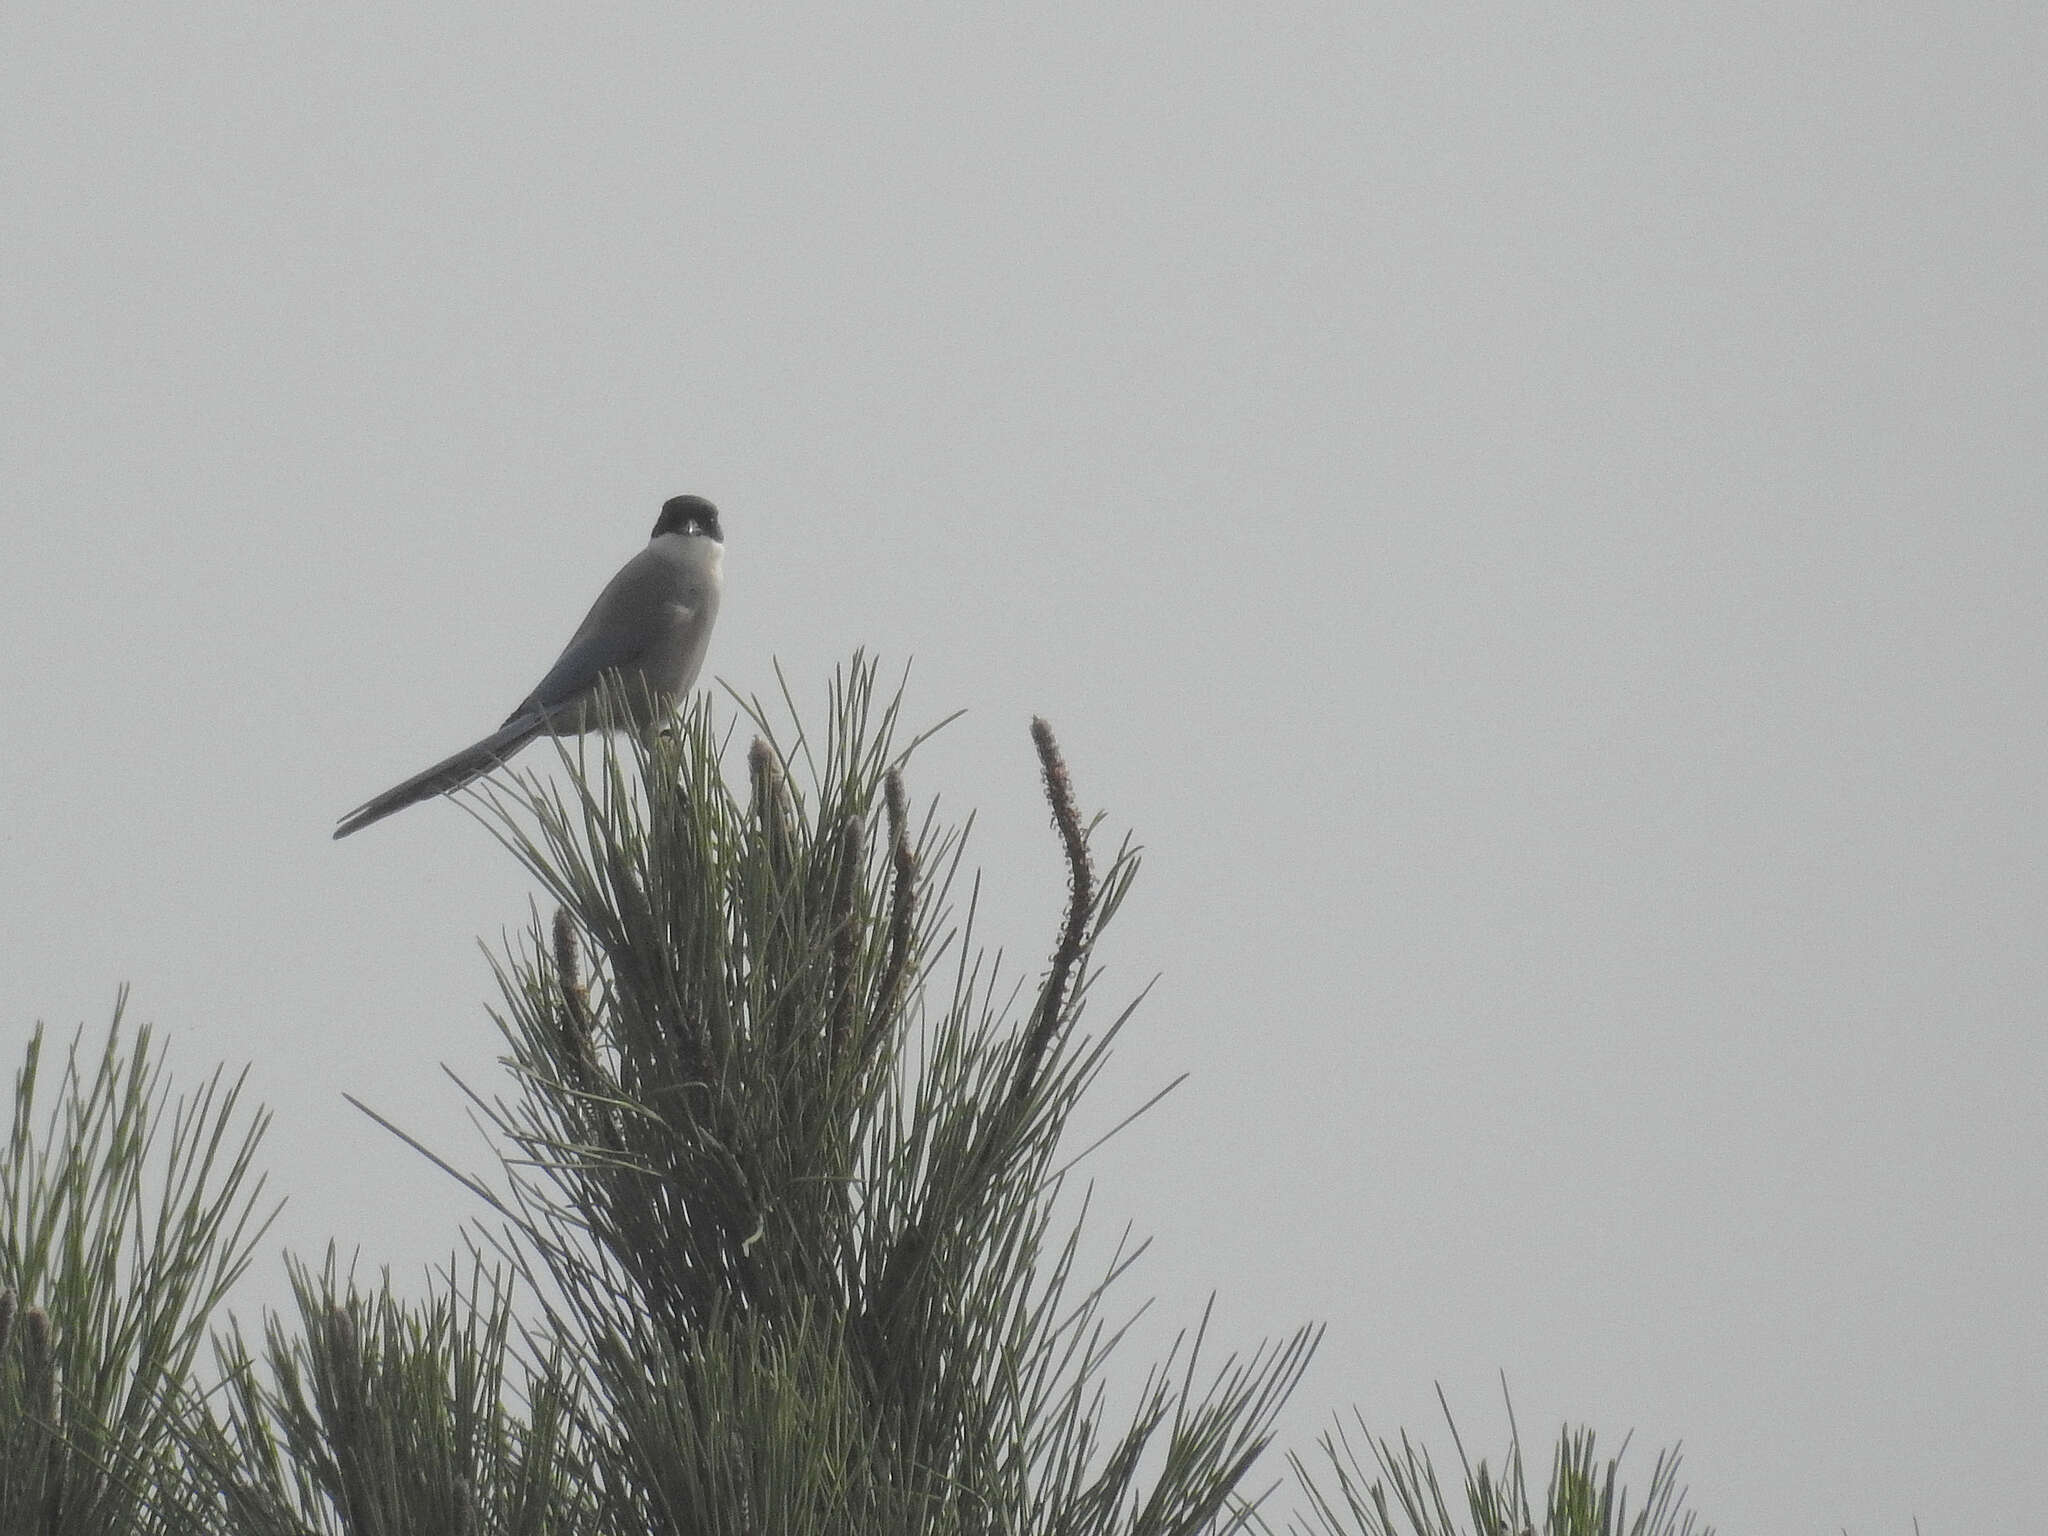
x=689, y=515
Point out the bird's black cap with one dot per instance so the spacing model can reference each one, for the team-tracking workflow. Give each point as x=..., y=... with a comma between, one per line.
x=688, y=514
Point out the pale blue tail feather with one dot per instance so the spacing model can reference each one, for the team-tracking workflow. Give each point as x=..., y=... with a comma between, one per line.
x=450, y=773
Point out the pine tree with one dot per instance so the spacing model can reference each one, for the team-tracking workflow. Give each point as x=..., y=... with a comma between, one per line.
x=779, y=1238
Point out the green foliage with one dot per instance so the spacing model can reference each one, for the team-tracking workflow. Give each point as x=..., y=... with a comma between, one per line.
x=789, y=1180
x=779, y=1197
x=378, y=1418
x=1398, y=1494
x=121, y=1228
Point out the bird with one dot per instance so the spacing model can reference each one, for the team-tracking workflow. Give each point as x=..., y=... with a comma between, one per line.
x=647, y=631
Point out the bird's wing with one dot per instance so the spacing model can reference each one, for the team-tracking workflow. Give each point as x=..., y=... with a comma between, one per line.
x=448, y=774
x=627, y=618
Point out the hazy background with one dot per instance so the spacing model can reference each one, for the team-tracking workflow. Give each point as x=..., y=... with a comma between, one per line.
x=1535, y=518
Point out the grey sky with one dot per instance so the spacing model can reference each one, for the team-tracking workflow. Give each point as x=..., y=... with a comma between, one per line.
x=1534, y=517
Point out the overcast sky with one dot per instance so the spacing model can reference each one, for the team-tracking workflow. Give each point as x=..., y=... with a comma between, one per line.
x=1534, y=516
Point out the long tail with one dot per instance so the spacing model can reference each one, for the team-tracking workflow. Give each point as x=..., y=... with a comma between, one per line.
x=450, y=773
